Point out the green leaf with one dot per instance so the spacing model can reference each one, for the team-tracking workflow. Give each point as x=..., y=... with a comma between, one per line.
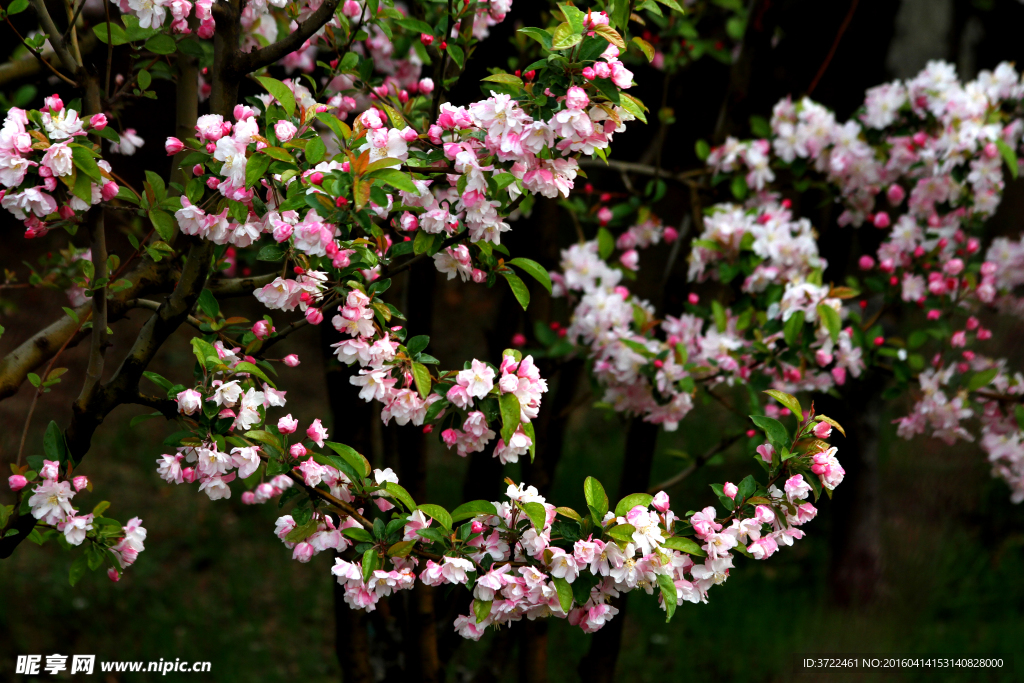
x=401, y=494
x=421, y=375
x=117, y=34
x=564, y=593
x=830, y=317
x=145, y=80
x=371, y=563
x=164, y=223
x=281, y=93
x=17, y=7
x=472, y=509
x=53, y=443
x=792, y=328
x=565, y=38
x=739, y=188
x=535, y=270
x=702, y=149
x=142, y=418
x=631, y=501
x=622, y=532
x=597, y=499
x=620, y=14
x=438, y=514
x=645, y=47
x=721, y=319
x=415, y=25
x=787, y=400
x=668, y=594
x=510, y=415
x=301, y=532
x=272, y=252
x=255, y=167
x=538, y=34
x=482, y=609
x=505, y=79
x=574, y=16
x=537, y=514
x=1009, y=156
x=161, y=44
x=315, y=150
x=401, y=549
x=353, y=457
x=357, y=533
x=684, y=545
x=395, y=178
x=633, y=105
x=978, y=379
x=208, y=304
x=605, y=243
x=78, y=569
x=417, y=344
x=775, y=430
x=455, y=52
x=245, y=366
x=519, y=288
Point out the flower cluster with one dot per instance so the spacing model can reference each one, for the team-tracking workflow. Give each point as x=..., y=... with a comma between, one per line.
x=38, y=148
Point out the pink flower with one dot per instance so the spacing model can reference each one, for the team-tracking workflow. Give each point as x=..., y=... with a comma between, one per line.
x=317, y=433
x=660, y=502
x=17, y=482
x=291, y=360
x=297, y=450
x=189, y=401
x=285, y=130
x=109, y=191
x=576, y=98
x=173, y=146
x=80, y=482
x=730, y=489
x=98, y=121
x=766, y=451
x=287, y=424
x=823, y=430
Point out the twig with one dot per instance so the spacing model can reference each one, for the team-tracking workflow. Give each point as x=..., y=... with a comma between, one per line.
x=835, y=46
x=699, y=462
x=38, y=55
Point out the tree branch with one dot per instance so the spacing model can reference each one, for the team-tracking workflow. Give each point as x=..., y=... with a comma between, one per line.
x=247, y=62
x=94, y=371
x=696, y=464
x=55, y=37
x=239, y=286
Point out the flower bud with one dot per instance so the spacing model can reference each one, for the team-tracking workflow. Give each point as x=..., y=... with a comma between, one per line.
x=316, y=178
x=479, y=276
x=823, y=430
x=297, y=450
x=17, y=482
x=197, y=170
x=670, y=235
x=213, y=183
x=291, y=360
x=518, y=339
x=426, y=85
x=53, y=103
x=285, y=131
x=661, y=501
x=109, y=190
x=248, y=498
x=113, y=574
x=351, y=9
x=895, y=194
x=66, y=212
x=477, y=527
x=588, y=73
x=881, y=220
x=262, y=329
x=730, y=489
x=80, y=482
x=693, y=298
x=314, y=316
x=427, y=39
x=98, y=121
x=173, y=146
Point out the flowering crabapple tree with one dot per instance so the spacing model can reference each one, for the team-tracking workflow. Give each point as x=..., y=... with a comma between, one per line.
x=365, y=172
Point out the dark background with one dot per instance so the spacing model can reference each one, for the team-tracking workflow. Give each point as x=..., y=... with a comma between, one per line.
x=920, y=552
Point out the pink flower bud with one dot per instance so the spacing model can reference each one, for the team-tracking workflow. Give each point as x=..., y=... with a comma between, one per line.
x=316, y=178
x=210, y=148
x=479, y=276
x=66, y=212
x=991, y=150
x=50, y=184
x=934, y=314
x=823, y=430
x=173, y=146
x=113, y=574
x=670, y=235
x=953, y=267
x=693, y=298
x=80, y=482
x=248, y=498
x=588, y=73
x=262, y=329
x=188, y=475
x=766, y=451
x=426, y=85
x=212, y=183
x=297, y=450
x=984, y=334
x=291, y=360
x=839, y=375
x=881, y=220
x=285, y=131
x=822, y=358
x=477, y=527
x=518, y=339
x=895, y=194
x=576, y=98
x=730, y=489
x=661, y=501
x=197, y=170
x=314, y=316
x=53, y=103
x=242, y=112
x=109, y=190
x=98, y=121
x=17, y=482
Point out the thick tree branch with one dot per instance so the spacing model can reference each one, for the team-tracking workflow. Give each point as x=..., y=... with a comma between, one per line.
x=55, y=37
x=247, y=62
x=94, y=371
